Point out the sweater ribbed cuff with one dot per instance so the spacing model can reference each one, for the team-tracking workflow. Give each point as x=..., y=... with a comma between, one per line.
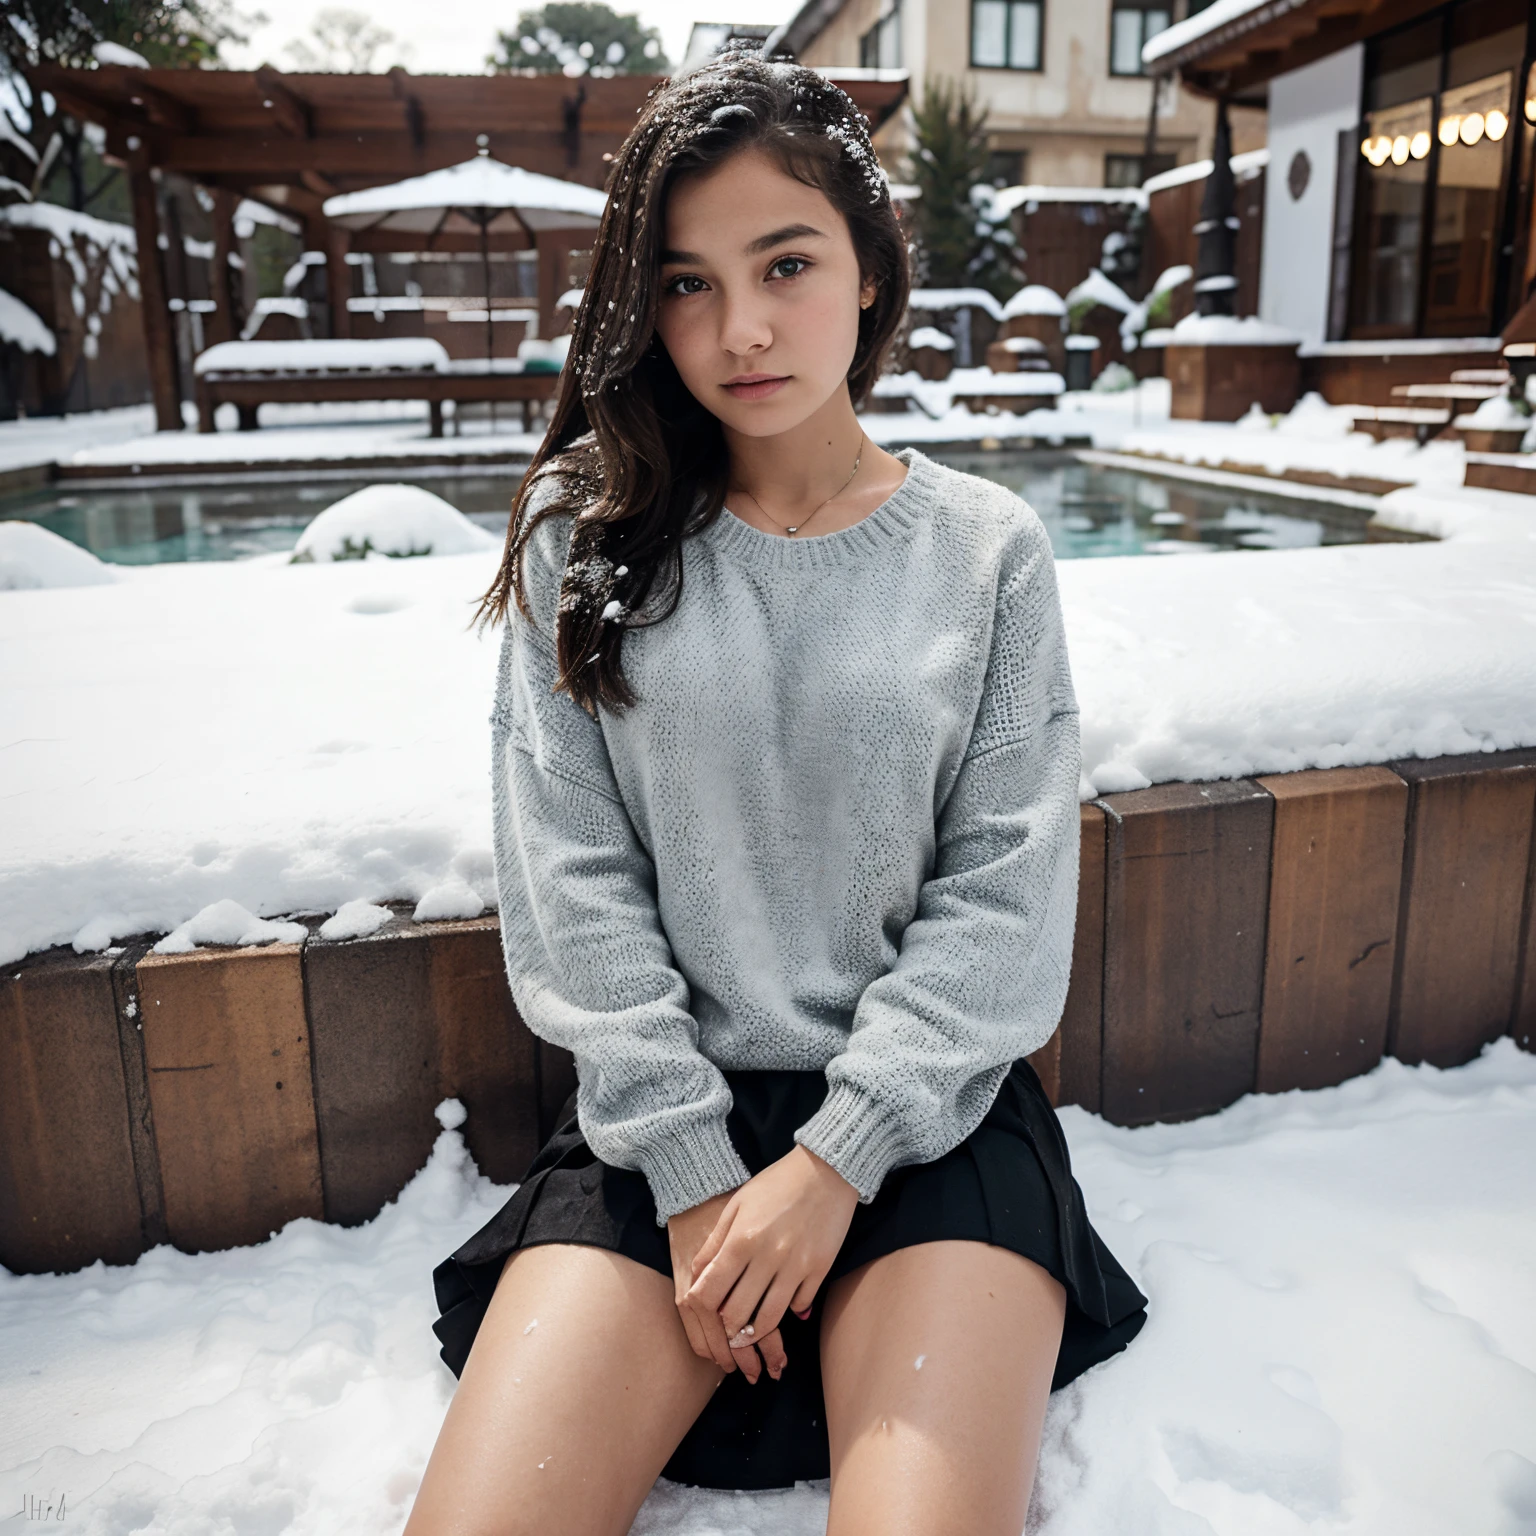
x=684, y=1172
x=855, y=1134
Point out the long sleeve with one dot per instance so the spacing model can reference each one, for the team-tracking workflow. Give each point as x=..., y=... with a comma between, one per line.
x=981, y=972
x=589, y=964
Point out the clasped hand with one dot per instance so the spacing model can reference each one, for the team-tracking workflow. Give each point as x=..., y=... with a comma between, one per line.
x=744, y=1256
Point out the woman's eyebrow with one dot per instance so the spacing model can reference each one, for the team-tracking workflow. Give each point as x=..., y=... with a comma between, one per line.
x=779, y=236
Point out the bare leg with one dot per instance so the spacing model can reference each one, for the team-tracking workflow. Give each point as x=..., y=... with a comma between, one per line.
x=564, y=1426
x=950, y=1445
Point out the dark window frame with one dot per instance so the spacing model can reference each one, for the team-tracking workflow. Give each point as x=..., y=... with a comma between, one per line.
x=1037, y=68
x=869, y=43
x=1142, y=6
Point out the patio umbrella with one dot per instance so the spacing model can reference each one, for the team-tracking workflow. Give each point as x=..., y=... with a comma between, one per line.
x=483, y=195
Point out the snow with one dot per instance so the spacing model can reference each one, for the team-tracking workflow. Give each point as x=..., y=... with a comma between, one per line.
x=1010, y=198
x=1081, y=343
x=955, y=298
x=1034, y=299
x=1459, y=512
x=64, y=224
x=570, y=299
x=931, y=336
x=1339, y=1341
x=398, y=520
x=1497, y=413
x=37, y=440
x=1219, y=14
x=297, y=309
x=1244, y=167
x=334, y=750
x=355, y=920
x=1229, y=331
x=1408, y=346
x=1098, y=289
x=555, y=351
x=314, y=356
x=23, y=327
x=115, y=53
x=479, y=183
x=32, y=556
x=227, y=922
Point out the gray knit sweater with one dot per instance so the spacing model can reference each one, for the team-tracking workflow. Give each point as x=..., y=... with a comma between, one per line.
x=839, y=831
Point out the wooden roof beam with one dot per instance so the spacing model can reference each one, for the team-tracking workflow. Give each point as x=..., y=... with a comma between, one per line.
x=286, y=105
x=163, y=111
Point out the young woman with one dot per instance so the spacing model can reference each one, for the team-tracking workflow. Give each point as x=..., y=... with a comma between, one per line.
x=786, y=832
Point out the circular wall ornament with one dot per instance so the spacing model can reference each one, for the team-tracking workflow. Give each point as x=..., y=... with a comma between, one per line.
x=1299, y=175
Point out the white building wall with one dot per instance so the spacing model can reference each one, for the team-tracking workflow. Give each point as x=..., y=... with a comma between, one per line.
x=1308, y=109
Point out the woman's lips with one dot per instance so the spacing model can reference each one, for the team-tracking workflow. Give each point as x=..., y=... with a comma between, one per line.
x=757, y=386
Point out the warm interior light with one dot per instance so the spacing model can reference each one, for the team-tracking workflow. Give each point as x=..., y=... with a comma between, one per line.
x=1471, y=128
x=1400, y=149
x=1496, y=125
x=1418, y=146
x=1449, y=127
x=1530, y=109
x=1380, y=148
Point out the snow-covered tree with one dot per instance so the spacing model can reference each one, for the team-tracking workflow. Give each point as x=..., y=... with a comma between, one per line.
x=580, y=37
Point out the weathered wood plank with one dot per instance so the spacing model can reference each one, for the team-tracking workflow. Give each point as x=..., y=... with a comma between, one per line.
x=141, y=1118
x=487, y=1055
x=1186, y=887
x=1081, y=1036
x=373, y=1040
x=1335, y=876
x=227, y=1047
x=68, y=1194
x=1465, y=876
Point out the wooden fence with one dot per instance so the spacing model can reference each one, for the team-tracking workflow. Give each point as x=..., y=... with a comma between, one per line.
x=1238, y=936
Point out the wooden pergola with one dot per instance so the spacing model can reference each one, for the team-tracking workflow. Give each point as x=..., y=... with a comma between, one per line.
x=294, y=140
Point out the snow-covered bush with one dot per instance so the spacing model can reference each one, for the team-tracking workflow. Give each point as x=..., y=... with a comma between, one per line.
x=1114, y=378
x=396, y=520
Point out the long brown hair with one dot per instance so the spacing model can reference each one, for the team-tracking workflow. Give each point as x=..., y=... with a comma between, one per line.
x=631, y=451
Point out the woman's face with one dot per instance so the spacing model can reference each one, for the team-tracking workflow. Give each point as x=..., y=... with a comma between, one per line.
x=760, y=294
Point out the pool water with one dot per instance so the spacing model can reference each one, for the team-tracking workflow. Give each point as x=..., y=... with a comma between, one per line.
x=1088, y=510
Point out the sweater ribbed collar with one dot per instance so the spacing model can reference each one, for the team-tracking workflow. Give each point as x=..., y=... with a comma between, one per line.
x=894, y=518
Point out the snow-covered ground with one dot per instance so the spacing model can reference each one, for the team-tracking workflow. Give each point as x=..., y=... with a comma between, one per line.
x=1341, y=1341
x=51, y=439
x=295, y=737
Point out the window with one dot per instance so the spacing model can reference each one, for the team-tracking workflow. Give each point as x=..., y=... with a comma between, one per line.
x=880, y=47
x=1007, y=167
x=1005, y=34
x=1131, y=24
x=1132, y=170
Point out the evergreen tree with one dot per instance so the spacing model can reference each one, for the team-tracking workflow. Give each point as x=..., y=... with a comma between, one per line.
x=963, y=240
x=580, y=37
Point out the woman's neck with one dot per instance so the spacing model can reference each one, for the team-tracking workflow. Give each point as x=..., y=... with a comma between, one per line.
x=791, y=478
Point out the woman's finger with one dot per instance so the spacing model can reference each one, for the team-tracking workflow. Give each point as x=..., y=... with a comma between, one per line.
x=696, y=1339
x=739, y=1309
x=770, y=1309
x=771, y=1347
x=713, y=1330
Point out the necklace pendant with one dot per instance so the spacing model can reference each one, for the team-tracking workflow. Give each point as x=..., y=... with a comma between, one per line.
x=795, y=529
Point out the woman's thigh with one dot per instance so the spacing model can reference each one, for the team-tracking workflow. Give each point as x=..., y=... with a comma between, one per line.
x=936, y=1365
x=579, y=1386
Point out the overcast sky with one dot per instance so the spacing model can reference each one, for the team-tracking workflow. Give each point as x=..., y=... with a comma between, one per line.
x=454, y=38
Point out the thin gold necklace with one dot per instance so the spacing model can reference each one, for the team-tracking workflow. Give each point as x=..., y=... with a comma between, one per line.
x=833, y=497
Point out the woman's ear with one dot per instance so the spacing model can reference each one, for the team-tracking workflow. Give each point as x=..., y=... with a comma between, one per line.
x=867, y=291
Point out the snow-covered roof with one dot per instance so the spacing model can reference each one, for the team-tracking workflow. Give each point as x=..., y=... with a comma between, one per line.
x=320, y=356
x=1247, y=164
x=1010, y=198
x=955, y=298
x=1217, y=15
x=420, y=203
x=1035, y=299
x=21, y=326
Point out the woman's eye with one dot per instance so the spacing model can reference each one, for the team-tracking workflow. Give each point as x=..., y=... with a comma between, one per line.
x=679, y=283
x=789, y=266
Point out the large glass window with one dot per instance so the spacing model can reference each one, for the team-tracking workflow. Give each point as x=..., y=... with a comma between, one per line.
x=1432, y=172
x=1005, y=34
x=1131, y=24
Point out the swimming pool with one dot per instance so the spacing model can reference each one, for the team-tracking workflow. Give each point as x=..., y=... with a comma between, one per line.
x=1088, y=510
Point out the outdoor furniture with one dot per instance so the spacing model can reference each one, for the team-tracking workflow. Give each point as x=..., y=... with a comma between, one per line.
x=1420, y=422
x=252, y=374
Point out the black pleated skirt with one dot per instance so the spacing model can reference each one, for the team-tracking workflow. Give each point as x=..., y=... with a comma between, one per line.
x=1009, y=1182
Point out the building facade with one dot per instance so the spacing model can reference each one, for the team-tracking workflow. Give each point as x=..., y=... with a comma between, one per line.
x=1401, y=192
x=1068, y=104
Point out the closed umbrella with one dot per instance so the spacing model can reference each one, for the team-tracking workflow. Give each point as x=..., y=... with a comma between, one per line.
x=484, y=195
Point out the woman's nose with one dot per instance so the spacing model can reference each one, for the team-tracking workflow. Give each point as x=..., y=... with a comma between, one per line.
x=744, y=325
